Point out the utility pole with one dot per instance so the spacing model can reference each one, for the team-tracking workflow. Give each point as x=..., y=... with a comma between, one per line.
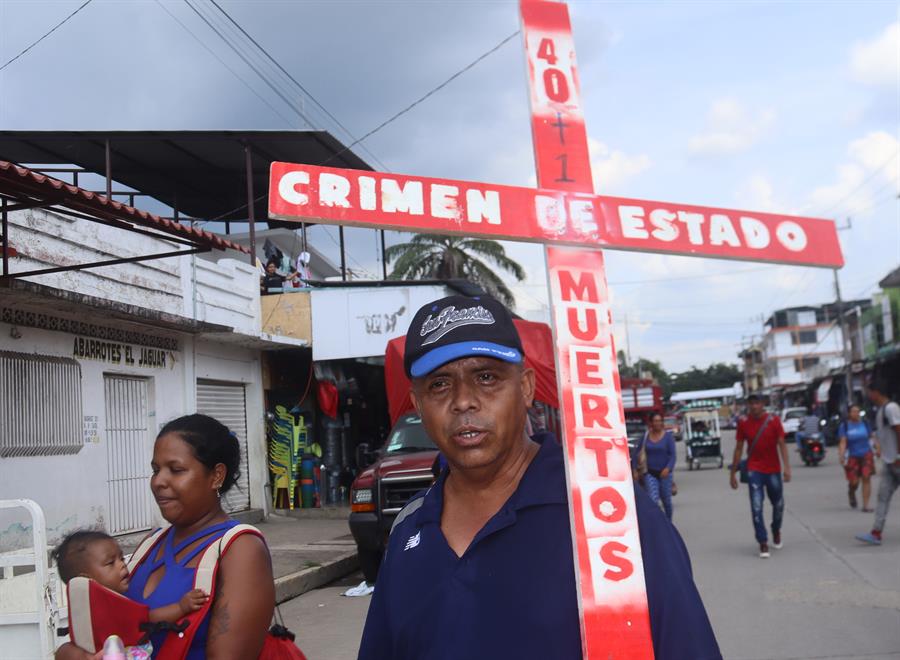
x=627, y=344
x=848, y=375
x=845, y=339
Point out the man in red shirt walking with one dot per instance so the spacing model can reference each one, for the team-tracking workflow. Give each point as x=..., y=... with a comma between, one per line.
x=764, y=436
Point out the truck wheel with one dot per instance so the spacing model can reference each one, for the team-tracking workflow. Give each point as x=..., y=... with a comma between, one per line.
x=369, y=562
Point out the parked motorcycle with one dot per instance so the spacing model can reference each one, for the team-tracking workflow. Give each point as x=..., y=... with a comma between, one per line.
x=812, y=449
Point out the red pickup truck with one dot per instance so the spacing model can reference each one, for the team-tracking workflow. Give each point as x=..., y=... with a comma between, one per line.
x=395, y=472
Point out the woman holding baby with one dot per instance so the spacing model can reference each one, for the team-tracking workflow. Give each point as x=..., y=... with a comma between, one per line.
x=195, y=460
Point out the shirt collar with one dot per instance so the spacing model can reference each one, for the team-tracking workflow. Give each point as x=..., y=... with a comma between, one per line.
x=544, y=482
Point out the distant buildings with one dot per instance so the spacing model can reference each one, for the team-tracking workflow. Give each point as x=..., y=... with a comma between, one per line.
x=799, y=360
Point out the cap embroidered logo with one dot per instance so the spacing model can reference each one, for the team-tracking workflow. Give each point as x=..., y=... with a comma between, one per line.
x=450, y=318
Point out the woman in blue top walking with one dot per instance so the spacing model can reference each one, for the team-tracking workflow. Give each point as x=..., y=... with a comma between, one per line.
x=659, y=446
x=856, y=456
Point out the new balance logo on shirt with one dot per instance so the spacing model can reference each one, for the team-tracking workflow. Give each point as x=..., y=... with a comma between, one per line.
x=413, y=541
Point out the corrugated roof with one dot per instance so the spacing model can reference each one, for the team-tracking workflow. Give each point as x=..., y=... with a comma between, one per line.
x=201, y=173
x=24, y=183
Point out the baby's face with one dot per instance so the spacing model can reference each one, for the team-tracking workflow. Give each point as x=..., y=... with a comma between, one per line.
x=106, y=565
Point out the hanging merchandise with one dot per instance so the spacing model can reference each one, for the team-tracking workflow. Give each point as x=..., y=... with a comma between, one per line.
x=327, y=395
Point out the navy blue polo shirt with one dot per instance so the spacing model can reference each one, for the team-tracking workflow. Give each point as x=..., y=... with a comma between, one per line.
x=512, y=594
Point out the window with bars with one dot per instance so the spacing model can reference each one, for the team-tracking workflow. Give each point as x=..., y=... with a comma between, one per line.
x=40, y=406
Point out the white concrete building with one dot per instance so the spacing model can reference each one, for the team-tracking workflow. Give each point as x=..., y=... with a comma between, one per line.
x=800, y=344
x=94, y=362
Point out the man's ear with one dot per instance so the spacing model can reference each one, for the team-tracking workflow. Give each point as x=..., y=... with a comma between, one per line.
x=528, y=386
x=415, y=401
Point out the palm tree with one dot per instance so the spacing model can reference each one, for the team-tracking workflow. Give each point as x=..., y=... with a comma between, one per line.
x=433, y=256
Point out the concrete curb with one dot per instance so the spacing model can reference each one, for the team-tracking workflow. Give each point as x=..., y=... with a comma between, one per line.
x=294, y=584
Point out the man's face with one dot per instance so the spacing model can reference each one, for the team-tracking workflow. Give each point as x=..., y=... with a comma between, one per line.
x=874, y=395
x=270, y=269
x=475, y=409
x=756, y=407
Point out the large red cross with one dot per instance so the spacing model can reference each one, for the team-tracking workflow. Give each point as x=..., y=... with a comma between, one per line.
x=572, y=222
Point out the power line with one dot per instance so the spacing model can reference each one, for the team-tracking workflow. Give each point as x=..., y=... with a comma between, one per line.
x=47, y=34
x=423, y=97
x=859, y=187
x=222, y=62
x=247, y=61
x=384, y=123
x=293, y=79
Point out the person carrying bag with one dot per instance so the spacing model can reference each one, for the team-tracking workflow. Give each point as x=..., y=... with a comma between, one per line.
x=742, y=465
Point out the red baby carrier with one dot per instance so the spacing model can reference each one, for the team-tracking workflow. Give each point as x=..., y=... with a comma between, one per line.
x=93, y=615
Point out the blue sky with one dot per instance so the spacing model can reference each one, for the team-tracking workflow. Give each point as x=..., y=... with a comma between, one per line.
x=784, y=107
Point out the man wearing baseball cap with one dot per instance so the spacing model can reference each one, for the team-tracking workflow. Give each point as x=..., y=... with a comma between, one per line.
x=481, y=564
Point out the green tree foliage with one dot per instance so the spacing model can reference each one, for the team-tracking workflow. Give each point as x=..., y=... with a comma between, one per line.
x=712, y=377
x=432, y=256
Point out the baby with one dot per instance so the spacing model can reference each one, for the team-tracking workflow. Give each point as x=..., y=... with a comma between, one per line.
x=97, y=555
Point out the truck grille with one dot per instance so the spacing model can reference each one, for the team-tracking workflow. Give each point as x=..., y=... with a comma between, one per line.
x=396, y=492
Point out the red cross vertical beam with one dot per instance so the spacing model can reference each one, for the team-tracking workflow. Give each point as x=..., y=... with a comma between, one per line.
x=615, y=620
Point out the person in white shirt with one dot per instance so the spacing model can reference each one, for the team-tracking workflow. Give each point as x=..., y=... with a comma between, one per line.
x=887, y=431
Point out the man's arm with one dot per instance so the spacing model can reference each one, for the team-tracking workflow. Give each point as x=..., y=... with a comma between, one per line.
x=678, y=619
x=738, y=452
x=785, y=465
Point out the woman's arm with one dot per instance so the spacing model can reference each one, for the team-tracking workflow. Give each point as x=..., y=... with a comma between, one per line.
x=243, y=603
x=673, y=454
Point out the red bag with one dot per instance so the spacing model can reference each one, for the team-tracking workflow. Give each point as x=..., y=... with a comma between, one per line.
x=279, y=645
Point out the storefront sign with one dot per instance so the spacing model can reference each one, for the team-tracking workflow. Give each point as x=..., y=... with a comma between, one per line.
x=125, y=355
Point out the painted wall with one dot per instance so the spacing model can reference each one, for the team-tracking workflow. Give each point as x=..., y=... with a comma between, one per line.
x=359, y=322
x=224, y=292
x=72, y=489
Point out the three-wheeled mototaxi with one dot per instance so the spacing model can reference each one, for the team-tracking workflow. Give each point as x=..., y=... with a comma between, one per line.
x=702, y=437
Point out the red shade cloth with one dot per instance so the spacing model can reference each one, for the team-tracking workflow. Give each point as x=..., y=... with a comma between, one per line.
x=327, y=394
x=536, y=340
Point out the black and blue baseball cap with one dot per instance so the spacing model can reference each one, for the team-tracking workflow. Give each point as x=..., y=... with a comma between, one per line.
x=457, y=327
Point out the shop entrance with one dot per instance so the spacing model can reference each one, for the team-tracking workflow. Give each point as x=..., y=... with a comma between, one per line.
x=227, y=403
x=129, y=446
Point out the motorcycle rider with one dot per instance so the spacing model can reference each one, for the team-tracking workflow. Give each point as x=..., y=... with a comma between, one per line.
x=808, y=428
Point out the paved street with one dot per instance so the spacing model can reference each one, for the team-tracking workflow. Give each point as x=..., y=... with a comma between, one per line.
x=822, y=596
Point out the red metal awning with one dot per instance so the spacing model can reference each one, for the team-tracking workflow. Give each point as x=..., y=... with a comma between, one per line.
x=32, y=189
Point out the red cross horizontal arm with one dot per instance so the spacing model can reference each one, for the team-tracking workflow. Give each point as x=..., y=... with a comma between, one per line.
x=306, y=193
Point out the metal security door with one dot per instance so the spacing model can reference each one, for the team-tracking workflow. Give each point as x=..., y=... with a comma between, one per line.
x=129, y=448
x=226, y=402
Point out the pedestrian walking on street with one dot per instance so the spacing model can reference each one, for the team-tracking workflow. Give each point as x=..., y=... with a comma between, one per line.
x=659, y=444
x=856, y=456
x=481, y=564
x=887, y=431
x=762, y=472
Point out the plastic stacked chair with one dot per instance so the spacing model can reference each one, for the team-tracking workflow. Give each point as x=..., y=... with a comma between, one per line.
x=282, y=456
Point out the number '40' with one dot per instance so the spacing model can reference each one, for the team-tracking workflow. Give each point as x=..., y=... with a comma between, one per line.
x=556, y=87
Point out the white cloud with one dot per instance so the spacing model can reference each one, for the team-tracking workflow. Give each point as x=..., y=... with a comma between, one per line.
x=877, y=62
x=612, y=168
x=730, y=128
x=874, y=163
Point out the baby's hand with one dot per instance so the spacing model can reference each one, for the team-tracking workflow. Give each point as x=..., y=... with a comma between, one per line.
x=192, y=601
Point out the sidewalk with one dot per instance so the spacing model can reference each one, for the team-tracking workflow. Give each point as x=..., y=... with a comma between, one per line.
x=310, y=547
